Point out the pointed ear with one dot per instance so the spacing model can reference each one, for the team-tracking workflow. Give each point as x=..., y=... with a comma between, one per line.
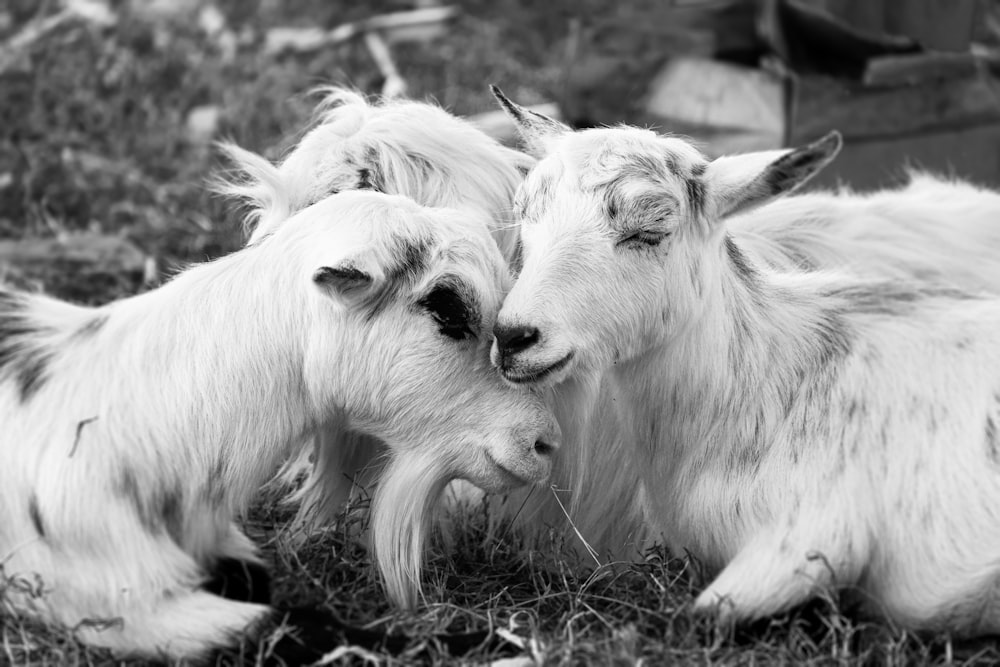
x=521, y=161
x=739, y=183
x=348, y=280
x=535, y=129
x=256, y=183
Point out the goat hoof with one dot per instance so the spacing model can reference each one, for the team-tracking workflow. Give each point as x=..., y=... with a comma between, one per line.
x=240, y=580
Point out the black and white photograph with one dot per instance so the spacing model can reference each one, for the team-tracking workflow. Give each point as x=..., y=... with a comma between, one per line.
x=499, y=333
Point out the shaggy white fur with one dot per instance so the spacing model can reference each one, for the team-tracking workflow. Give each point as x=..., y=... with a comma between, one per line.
x=394, y=146
x=135, y=432
x=795, y=430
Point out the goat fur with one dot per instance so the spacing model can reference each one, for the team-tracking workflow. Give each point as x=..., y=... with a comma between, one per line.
x=136, y=432
x=796, y=430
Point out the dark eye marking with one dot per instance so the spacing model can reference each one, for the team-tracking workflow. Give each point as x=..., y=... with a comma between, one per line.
x=365, y=180
x=450, y=312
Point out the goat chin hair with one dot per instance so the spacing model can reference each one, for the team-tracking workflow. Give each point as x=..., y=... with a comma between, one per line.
x=400, y=527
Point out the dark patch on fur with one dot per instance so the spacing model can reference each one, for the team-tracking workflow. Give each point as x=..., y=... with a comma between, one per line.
x=92, y=326
x=36, y=515
x=516, y=263
x=370, y=176
x=411, y=264
x=744, y=270
x=365, y=180
x=32, y=374
x=835, y=339
x=213, y=493
x=893, y=298
x=159, y=510
x=748, y=452
x=695, y=194
x=815, y=382
x=610, y=207
x=992, y=443
x=172, y=510
x=22, y=356
x=698, y=169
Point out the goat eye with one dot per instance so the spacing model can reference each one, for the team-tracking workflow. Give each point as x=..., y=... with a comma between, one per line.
x=450, y=312
x=644, y=238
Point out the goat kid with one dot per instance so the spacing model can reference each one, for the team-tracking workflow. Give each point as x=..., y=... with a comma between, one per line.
x=930, y=229
x=780, y=420
x=394, y=146
x=135, y=432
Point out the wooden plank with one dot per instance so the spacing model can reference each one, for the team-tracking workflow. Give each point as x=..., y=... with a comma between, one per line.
x=820, y=104
x=917, y=67
x=972, y=153
x=944, y=25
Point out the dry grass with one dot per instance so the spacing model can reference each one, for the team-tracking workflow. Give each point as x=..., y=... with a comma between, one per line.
x=92, y=137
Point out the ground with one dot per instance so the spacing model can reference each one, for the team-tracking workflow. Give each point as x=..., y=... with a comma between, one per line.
x=95, y=137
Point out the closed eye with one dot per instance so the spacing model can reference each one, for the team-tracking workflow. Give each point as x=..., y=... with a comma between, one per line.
x=449, y=310
x=644, y=238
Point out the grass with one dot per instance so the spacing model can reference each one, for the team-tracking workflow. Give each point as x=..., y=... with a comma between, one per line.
x=92, y=138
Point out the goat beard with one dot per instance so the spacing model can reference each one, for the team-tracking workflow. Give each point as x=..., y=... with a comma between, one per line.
x=402, y=519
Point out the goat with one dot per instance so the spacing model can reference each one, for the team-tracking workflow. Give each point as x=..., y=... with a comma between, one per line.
x=780, y=419
x=394, y=146
x=135, y=432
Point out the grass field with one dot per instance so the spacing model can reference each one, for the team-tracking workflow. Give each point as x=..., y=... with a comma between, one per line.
x=94, y=137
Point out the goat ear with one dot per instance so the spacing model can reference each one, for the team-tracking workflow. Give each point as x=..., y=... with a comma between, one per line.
x=258, y=184
x=347, y=280
x=739, y=183
x=535, y=129
x=521, y=161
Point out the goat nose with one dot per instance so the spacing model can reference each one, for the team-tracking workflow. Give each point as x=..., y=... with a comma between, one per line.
x=547, y=440
x=545, y=449
x=513, y=339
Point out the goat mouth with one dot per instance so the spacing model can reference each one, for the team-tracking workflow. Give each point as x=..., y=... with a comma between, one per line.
x=514, y=480
x=538, y=375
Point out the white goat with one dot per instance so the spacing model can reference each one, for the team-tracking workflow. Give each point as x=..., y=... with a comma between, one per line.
x=394, y=146
x=134, y=432
x=799, y=431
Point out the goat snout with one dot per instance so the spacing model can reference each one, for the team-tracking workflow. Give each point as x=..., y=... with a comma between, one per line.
x=516, y=338
x=539, y=440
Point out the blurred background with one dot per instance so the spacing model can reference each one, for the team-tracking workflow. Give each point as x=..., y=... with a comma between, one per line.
x=109, y=108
